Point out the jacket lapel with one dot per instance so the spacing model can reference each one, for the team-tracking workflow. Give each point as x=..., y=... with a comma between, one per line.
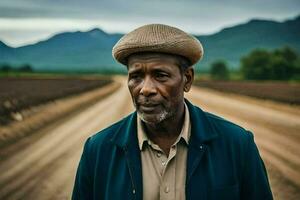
x=126, y=139
x=202, y=132
x=194, y=156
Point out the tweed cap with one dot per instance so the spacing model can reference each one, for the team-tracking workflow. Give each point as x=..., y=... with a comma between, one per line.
x=158, y=38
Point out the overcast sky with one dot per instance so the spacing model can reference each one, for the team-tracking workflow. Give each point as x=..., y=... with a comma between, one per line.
x=27, y=21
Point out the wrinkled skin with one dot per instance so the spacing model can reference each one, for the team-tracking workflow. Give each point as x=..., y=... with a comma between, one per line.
x=157, y=87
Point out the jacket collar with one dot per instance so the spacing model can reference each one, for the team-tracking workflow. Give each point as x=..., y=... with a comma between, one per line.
x=126, y=135
x=202, y=129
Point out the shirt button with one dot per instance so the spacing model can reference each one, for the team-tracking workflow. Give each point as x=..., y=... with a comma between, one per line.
x=163, y=163
x=158, y=154
x=167, y=189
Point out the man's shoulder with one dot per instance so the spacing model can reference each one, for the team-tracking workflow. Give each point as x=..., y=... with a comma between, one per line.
x=227, y=134
x=228, y=129
x=107, y=134
x=222, y=127
x=223, y=123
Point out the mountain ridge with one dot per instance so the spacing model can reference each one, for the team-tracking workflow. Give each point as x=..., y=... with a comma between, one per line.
x=91, y=50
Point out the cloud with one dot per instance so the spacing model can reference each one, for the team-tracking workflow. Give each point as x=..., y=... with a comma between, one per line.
x=135, y=9
x=195, y=16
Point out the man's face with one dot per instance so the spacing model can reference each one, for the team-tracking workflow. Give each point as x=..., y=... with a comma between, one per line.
x=156, y=85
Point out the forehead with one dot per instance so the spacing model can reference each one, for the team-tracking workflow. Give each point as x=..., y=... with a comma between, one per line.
x=148, y=57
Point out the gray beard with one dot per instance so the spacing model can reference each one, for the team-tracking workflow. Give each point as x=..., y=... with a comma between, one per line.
x=163, y=115
x=160, y=117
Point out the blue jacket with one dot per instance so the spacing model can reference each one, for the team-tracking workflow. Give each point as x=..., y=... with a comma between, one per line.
x=223, y=162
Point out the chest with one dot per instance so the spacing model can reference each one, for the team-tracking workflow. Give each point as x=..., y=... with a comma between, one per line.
x=207, y=175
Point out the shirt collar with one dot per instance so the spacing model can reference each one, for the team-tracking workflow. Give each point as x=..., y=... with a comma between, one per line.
x=184, y=134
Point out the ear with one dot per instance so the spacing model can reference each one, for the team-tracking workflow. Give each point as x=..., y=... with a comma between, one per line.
x=188, y=78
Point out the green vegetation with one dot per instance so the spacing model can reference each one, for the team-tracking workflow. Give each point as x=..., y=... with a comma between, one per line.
x=279, y=64
x=7, y=70
x=26, y=70
x=219, y=70
x=260, y=64
x=22, y=68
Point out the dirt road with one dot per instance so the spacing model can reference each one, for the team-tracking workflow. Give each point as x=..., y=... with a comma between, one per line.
x=43, y=165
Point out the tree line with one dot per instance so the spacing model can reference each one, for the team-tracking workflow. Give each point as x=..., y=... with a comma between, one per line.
x=22, y=68
x=260, y=64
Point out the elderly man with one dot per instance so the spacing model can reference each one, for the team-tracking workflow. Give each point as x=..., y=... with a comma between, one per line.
x=168, y=148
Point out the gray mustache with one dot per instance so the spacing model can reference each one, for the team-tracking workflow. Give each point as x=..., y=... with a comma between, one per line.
x=146, y=102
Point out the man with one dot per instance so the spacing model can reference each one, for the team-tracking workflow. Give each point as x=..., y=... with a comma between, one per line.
x=168, y=148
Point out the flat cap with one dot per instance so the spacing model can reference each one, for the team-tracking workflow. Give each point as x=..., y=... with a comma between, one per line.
x=158, y=38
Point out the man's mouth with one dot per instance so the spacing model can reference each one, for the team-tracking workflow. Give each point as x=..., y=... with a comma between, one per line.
x=147, y=107
x=148, y=104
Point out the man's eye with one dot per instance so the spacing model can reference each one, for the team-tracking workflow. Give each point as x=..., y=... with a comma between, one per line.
x=134, y=76
x=161, y=75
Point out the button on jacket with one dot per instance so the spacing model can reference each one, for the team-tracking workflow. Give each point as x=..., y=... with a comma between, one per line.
x=223, y=162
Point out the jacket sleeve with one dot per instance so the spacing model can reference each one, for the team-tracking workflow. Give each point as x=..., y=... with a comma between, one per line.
x=255, y=184
x=83, y=188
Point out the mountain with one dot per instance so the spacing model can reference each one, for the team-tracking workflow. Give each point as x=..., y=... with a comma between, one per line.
x=232, y=43
x=3, y=46
x=70, y=51
x=6, y=52
x=91, y=50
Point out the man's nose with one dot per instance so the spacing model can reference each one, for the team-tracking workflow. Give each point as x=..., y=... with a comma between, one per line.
x=148, y=87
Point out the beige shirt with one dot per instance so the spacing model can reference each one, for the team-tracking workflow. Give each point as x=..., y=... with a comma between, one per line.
x=164, y=177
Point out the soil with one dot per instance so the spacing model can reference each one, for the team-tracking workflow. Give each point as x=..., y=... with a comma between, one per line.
x=43, y=164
